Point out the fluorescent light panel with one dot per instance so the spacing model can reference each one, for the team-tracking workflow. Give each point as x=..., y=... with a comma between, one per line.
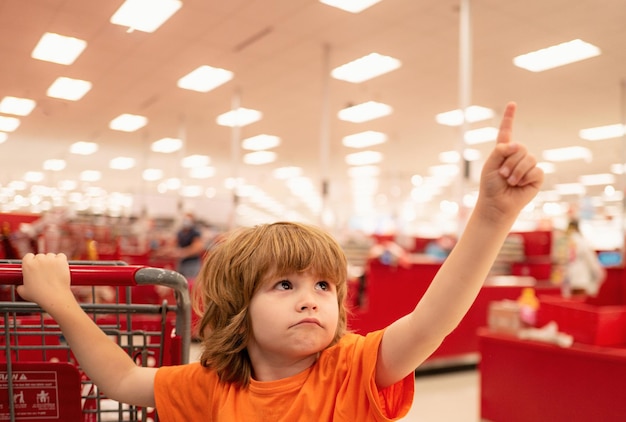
x=58, y=49
x=597, y=179
x=352, y=6
x=603, y=132
x=260, y=142
x=145, y=15
x=205, y=78
x=284, y=173
x=83, y=148
x=195, y=160
x=167, y=145
x=473, y=114
x=482, y=135
x=128, y=122
x=54, y=164
x=556, y=55
x=239, y=118
x=365, y=68
x=364, y=139
x=259, y=157
x=17, y=106
x=68, y=89
x=567, y=154
x=9, y=124
x=364, y=112
x=364, y=158
x=122, y=163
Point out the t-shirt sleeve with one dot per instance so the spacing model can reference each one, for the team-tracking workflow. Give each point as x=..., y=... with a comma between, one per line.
x=392, y=402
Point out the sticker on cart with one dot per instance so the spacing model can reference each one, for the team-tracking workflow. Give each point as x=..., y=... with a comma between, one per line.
x=40, y=392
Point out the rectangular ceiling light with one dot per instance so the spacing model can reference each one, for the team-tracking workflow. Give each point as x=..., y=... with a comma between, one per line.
x=239, y=118
x=259, y=157
x=83, y=148
x=205, y=78
x=567, y=154
x=57, y=48
x=54, y=164
x=364, y=158
x=8, y=124
x=364, y=112
x=473, y=114
x=364, y=139
x=145, y=15
x=195, y=160
x=68, y=89
x=597, y=179
x=17, y=106
x=556, y=55
x=122, y=163
x=481, y=135
x=128, y=122
x=167, y=145
x=260, y=142
x=365, y=68
x=352, y=6
x=603, y=132
x=570, y=188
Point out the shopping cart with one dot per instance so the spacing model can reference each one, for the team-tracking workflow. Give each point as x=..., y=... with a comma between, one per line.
x=40, y=380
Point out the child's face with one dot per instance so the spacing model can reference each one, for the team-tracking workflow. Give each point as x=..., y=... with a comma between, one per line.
x=293, y=317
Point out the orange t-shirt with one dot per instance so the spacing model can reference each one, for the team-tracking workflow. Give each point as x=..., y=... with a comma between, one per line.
x=340, y=386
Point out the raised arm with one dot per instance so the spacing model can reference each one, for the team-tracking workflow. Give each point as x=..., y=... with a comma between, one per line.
x=509, y=180
x=47, y=283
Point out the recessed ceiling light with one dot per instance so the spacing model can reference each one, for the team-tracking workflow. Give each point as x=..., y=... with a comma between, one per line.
x=167, y=145
x=54, y=164
x=473, y=114
x=259, y=157
x=90, y=176
x=352, y=6
x=365, y=68
x=205, y=78
x=603, y=132
x=152, y=174
x=597, y=179
x=58, y=49
x=122, y=163
x=364, y=139
x=83, y=148
x=195, y=160
x=364, y=158
x=202, y=172
x=567, y=154
x=240, y=117
x=17, y=106
x=364, y=112
x=145, y=15
x=128, y=122
x=284, y=173
x=556, y=55
x=9, y=124
x=482, y=135
x=68, y=89
x=260, y=142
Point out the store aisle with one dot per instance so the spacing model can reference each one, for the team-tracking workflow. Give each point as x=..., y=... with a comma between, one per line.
x=443, y=397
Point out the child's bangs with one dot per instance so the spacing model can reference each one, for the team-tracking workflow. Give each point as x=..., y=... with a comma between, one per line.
x=300, y=251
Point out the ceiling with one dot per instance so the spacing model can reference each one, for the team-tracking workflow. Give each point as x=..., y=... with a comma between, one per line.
x=281, y=52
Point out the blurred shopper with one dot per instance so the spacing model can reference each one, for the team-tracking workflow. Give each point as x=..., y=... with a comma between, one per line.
x=189, y=248
x=583, y=273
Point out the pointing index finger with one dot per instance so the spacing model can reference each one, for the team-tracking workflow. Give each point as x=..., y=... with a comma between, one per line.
x=506, y=126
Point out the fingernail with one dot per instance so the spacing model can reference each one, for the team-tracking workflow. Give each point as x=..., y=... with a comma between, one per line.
x=504, y=172
x=512, y=180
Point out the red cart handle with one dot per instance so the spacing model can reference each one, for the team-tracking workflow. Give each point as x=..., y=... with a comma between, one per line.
x=81, y=275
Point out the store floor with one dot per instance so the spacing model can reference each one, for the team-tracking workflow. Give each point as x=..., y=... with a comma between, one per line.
x=439, y=396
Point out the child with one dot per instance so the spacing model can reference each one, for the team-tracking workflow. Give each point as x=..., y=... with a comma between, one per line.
x=275, y=346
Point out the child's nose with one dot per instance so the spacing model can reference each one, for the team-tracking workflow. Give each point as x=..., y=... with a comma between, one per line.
x=307, y=301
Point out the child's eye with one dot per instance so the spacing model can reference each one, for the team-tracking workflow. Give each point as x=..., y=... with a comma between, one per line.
x=323, y=285
x=283, y=285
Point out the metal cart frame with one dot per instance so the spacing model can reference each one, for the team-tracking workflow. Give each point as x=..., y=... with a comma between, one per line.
x=34, y=357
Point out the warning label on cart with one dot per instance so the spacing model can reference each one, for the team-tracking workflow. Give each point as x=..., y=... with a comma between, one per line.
x=39, y=391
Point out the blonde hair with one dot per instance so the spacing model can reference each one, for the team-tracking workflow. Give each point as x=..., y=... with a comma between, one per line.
x=233, y=271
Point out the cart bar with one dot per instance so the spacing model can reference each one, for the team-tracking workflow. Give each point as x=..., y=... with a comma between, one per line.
x=81, y=275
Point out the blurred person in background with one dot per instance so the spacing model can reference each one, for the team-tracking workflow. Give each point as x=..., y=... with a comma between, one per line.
x=584, y=273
